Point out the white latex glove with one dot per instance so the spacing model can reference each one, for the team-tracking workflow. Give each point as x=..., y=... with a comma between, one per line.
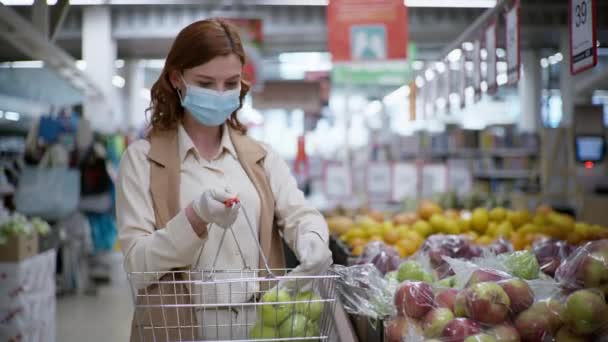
x=313, y=253
x=210, y=207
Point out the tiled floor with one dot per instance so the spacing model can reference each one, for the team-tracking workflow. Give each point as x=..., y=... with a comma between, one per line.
x=101, y=318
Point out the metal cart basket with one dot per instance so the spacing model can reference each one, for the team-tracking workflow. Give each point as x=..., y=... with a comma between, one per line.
x=233, y=305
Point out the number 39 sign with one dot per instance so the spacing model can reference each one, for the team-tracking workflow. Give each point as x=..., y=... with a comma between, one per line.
x=583, y=48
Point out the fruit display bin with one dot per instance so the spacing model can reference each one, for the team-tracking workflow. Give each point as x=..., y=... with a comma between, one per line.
x=233, y=305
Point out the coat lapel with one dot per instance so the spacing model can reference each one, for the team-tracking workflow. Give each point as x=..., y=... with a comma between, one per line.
x=164, y=176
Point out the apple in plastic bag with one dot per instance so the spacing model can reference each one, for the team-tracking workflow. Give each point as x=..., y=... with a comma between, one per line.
x=460, y=303
x=460, y=328
x=484, y=275
x=504, y=333
x=414, y=299
x=565, y=335
x=487, y=303
x=585, y=311
x=310, y=309
x=294, y=326
x=395, y=328
x=446, y=298
x=519, y=293
x=435, y=321
x=480, y=338
x=275, y=314
x=540, y=321
x=412, y=270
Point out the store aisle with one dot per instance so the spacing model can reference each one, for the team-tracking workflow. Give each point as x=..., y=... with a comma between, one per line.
x=101, y=318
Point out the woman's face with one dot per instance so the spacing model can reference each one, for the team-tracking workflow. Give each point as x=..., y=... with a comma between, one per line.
x=221, y=74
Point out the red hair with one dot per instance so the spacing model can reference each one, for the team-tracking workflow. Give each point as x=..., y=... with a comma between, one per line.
x=196, y=44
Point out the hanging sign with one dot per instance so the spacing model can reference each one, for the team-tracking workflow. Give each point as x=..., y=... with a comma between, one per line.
x=491, y=59
x=338, y=180
x=512, y=43
x=363, y=30
x=477, y=68
x=405, y=181
x=379, y=180
x=583, y=35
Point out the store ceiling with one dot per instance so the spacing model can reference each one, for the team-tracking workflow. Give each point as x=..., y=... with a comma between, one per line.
x=146, y=31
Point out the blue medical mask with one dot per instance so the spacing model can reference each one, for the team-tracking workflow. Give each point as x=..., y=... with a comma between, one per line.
x=210, y=107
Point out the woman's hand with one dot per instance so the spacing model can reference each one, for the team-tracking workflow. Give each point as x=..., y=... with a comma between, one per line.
x=211, y=207
x=313, y=254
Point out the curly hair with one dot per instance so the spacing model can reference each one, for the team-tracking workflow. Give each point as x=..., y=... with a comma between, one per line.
x=196, y=44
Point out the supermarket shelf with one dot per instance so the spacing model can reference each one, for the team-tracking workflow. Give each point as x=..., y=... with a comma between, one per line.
x=510, y=152
x=473, y=153
x=505, y=174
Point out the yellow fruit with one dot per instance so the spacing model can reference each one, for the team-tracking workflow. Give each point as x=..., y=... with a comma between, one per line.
x=374, y=230
x=402, y=231
x=451, y=227
x=423, y=228
x=574, y=238
x=452, y=214
x=405, y=218
x=353, y=243
x=539, y=220
x=339, y=225
x=518, y=218
x=464, y=225
x=376, y=216
x=387, y=226
x=565, y=222
x=391, y=237
x=357, y=251
x=438, y=221
x=426, y=209
x=484, y=240
x=492, y=227
x=409, y=247
x=504, y=229
x=376, y=238
x=356, y=233
x=365, y=222
x=479, y=220
x=497, y=214
x=402, y=252
x=528, y=228
x=472, y=235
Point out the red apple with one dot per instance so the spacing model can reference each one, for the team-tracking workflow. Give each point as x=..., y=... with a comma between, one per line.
x=460, y=303
x=504, y=333
x=585, y=311
x=446, y=298
x=488, y=303
x=414, y=299
x=539, y=321
x=519, y=293
x=435, y=321
x=395, y=329
x=565, y=335
x=460, y=328
x=484, y=275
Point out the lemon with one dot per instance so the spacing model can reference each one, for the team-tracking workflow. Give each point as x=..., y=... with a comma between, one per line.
x=497, y=214
x=479, y=220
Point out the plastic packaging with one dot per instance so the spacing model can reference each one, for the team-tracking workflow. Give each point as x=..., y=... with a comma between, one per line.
x=550, y=253
x=438, y=246
x=587, y=267
x=384, y=257
x=365, y=291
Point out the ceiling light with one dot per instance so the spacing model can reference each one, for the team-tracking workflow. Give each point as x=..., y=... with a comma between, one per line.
x=429, y=74
x=454, y=55
x=118, y=81
x=559, y=57
x=454, y=98
x=419, y=81
x=82, y=65
x=440, y=67
x=502, y=79
x=23, y=64
x=553, y=60
x=441, y=103
x=468, y=46
x=484, y=86
x=417, y=65
x=119, y=63
x=12, y=116
x=483, y=53
x=500, y=53
x=469, y=66
x=469, y=92
x=451, y=3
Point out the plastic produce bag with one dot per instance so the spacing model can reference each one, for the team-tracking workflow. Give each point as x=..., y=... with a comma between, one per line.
x=364, y=291
x=550, y=253
x=384, y=257
x=438, y=246
x=586, y=267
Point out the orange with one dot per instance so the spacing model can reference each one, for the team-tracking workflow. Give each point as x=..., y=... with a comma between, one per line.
x=391, y=237
x=357, y=242
x=409, y=246
x=402, y=252
x=357, y=251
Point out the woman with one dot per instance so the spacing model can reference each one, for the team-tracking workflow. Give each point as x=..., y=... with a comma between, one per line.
x=172, y=187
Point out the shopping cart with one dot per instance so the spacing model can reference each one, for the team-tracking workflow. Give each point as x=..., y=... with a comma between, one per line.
x=233, y=305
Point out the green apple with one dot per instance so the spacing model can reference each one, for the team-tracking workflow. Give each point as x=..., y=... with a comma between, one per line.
x=480, y=338
x=312, y=310
x=585, y=311
x=435, y=321
x=412, y=270
x=294, y=326
x=274, y=314
x=260, y=331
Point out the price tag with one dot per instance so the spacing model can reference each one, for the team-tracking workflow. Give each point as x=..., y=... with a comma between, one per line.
x=512, y=43
x=405, y=181
x=434, y=179
x=583, y=33
x=460, y=178
x=491, y=59
x=338, y=181
x=379, y=180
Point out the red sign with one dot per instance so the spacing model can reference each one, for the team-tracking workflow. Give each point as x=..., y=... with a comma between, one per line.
x=367, y=30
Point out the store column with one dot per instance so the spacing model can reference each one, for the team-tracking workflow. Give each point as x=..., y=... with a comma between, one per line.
x=99, y=53
x=137, y=96
x=566, y=80
x=530, y=91
x=40, y=16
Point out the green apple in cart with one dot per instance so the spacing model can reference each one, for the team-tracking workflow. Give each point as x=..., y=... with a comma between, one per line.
x=261, y=331
x=312, y=329
x=294, y=326
x=309, y=306
x=274, y=314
